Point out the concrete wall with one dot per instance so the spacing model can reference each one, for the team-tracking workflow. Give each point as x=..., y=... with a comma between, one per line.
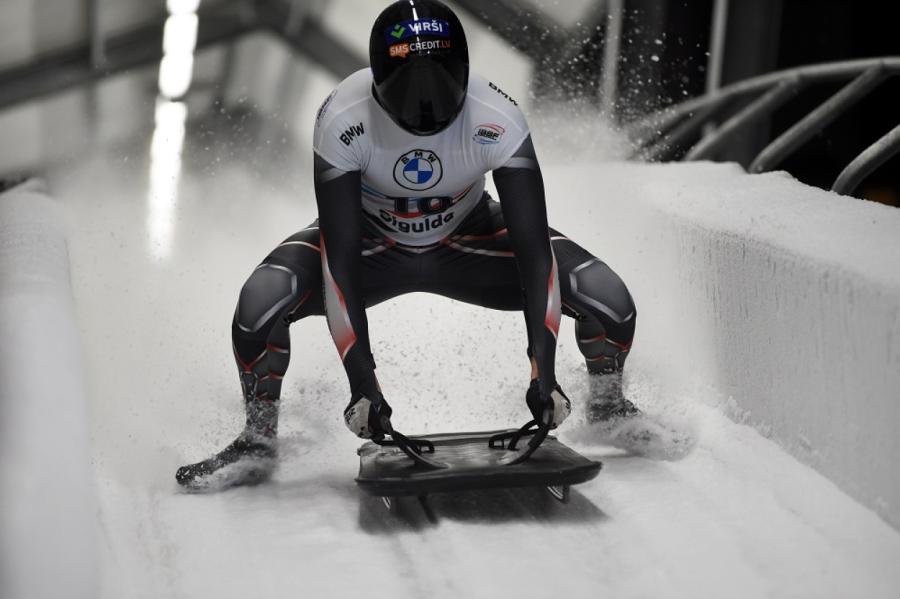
x=780, y=300
x=48, y=520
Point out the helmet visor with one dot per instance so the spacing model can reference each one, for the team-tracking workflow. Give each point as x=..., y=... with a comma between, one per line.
x=425, y=94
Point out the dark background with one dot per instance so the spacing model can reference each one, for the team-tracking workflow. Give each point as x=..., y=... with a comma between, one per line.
x=767, y=35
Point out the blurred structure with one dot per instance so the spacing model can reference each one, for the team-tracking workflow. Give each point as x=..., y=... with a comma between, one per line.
x=623, y=59
x=828, y=123
x=669, y=133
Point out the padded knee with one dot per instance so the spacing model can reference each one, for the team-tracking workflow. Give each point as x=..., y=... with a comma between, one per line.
x=599, y=291
x=606, y=315
x=267, y=293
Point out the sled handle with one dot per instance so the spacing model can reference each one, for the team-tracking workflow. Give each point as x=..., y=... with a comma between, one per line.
x=413, y=448
x=538, y=435
x=499, y=440
x=538, y=431
x=419, y=446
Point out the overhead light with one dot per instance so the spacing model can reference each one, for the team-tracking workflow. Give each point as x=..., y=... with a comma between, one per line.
x=165, y=175
x=179, y=41
x=175, y=74
x=180, y=7
x=180, y=34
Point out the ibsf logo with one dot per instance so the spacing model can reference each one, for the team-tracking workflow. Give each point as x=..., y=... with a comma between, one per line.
x=418, y=170
x=488, y=133
x=413, y=27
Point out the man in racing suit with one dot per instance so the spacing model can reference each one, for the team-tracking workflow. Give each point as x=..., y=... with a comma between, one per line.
x=401, y=153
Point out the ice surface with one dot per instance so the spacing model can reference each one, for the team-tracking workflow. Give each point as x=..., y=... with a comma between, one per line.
x=738, y=517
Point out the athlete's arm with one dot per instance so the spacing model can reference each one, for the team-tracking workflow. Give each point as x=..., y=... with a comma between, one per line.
x=340, y=228
x=521, y=189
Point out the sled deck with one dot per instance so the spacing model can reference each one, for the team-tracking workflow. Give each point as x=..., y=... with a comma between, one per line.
x=469, y=462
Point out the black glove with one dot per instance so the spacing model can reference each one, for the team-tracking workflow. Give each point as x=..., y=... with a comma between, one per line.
x=540, y=404
x=368, y=417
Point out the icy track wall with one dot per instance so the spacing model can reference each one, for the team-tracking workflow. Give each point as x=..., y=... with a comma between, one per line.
x=48, y=516
x=780, y=299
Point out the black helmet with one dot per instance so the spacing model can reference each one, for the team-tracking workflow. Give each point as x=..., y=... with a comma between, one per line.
x=420, y=63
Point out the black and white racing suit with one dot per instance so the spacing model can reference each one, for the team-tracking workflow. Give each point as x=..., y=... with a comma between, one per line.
x=400, y=213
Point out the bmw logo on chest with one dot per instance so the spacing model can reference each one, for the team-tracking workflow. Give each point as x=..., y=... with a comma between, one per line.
x=418, y=170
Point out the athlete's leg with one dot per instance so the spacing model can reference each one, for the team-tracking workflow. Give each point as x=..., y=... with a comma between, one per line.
x=599, y=301
x=605, y=318
x=286, y=286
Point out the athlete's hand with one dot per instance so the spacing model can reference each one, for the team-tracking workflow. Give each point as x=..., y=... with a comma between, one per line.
x=540, y=404
x=368, y=417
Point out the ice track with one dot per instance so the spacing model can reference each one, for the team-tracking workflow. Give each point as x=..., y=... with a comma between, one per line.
x=737, y=518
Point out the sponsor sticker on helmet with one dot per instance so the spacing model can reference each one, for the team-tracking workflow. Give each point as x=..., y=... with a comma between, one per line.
x=414, y=27
x=398, y=50
x=401, y=50
x=488, y=133
x=418, y=170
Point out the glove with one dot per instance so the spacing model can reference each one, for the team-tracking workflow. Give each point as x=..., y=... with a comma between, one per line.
x=539, y=404
x=368, y=418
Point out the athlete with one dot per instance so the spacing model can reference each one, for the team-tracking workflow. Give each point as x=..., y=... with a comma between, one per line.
x=401, y=151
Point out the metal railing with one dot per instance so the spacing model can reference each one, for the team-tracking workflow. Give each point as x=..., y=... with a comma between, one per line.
x=678, y=130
